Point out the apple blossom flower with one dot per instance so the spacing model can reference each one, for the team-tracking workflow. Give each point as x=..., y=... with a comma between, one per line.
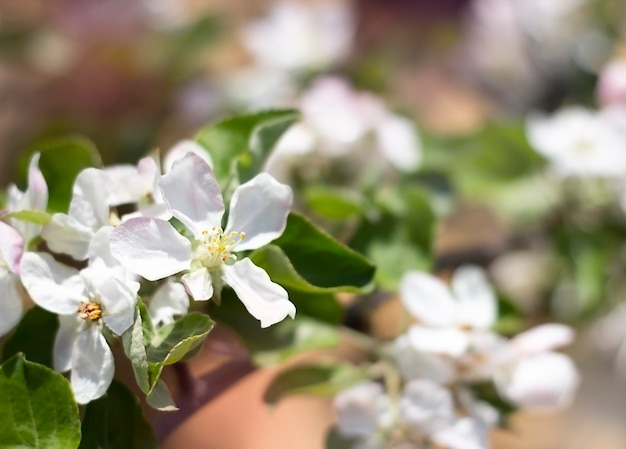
x=578, y=142
x=170, y=300
x=339, y=119
x=301, y=37
x=426, y=407
x=11, y=251
x=86, y=301
x=611, y=87
x=153, y=249
x=35, y=197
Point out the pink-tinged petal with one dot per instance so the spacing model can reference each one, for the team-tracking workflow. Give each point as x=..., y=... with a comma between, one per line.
x=543, y=338
x=544, y=381
x=51, y=285
x=259, y=208
x=118, y=303
x=476, y=299
x=428, y=299
x=151, y=248
x=89, y=205
x=181, y=149
x=11, y=306
x=448, y=341
x=198, y=284
x=92, y=365
x=192, y=193
x=69, y=326
x=37, y=190
x=169, y=301
x=11, y=247
x=399, y=142
x=266, y=301
x=100, y=247
x=64, y=234
x=125, y=184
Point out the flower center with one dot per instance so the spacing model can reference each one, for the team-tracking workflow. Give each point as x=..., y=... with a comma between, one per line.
x=90, y=311
x=215, y=246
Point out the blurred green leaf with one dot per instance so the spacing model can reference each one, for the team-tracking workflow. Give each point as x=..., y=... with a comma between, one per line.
x=31, y=216
x=334, y=203
x=239, y=146
x=314, y=379
x=34, y=336
x=116, y=421
x=61, y=161
x=334, y=440
x=37, y=410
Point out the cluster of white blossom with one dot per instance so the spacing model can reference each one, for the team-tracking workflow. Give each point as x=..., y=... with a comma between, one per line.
x=95, y=296
x=449, y=348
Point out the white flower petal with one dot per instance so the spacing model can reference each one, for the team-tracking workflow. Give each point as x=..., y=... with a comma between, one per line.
x=64, y=341
x=66, y=235
x=543, y=381
x=34, y=198
x=266, y=301
x=11, y=306
x=464, y=434
x=150, y=247
x=475, y=297
x=170, y=300
x=192, y=193
x=89, y=203
x=198, y=284
x=428, y=299
x=399, y=142
x=361, y=409
x=118, y=303
x=426, y=406
x=448, y=341
x=421, y=365
x=543, y=338
x=100, y=247
x=51, y=285
x=11, y=247
x=92, y=365
x=181, y=149
x=259, y=208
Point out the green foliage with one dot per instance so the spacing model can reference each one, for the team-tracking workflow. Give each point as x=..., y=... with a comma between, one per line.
x=37, y=410
x=334, y=203
x=314, y=262
x=399, y=237
x=30, y=216
x=314, y=379
x=276, y=343
x=151, y=348
x=34, y=337
x=61, y=161
x=239, y=146
x=334, y=440
x=116, y=421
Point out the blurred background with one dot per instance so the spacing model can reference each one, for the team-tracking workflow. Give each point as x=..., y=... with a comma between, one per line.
x=135, y=76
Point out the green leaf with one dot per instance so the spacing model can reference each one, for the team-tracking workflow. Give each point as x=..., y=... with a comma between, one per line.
x=159, y=397
x=61, y=161
x=37, y=410
x=34, y=336
x=324, y=264
x=31, y=216
x=323, y=307
x=240, y=145
x=334, y=203
x=314, y=379
x=134, y=343
x=335, y=440
x=170, y=343
x=276, y=343
x=116, y=421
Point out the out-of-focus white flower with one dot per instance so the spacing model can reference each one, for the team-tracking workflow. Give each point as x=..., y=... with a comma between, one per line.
x=337, y=120
x=578, y=142
x=611, y=87
x=465, y=433
x=426, y=407
x=295, y=36
x=85, y=300
x=154, y=249
x=259, y=87
x=363, y=410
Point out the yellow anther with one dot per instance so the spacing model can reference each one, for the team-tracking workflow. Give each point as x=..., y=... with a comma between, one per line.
x=242, y=235
x=90, y=311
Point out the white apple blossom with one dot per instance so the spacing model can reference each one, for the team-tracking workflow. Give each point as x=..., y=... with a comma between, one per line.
x=169, y=301
x=11, y=250
x=85, y=301
x=154, y=249
x=297, y=36
x=611, y=87
x=426, y=407
x=338, y=119
x=578, y=142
